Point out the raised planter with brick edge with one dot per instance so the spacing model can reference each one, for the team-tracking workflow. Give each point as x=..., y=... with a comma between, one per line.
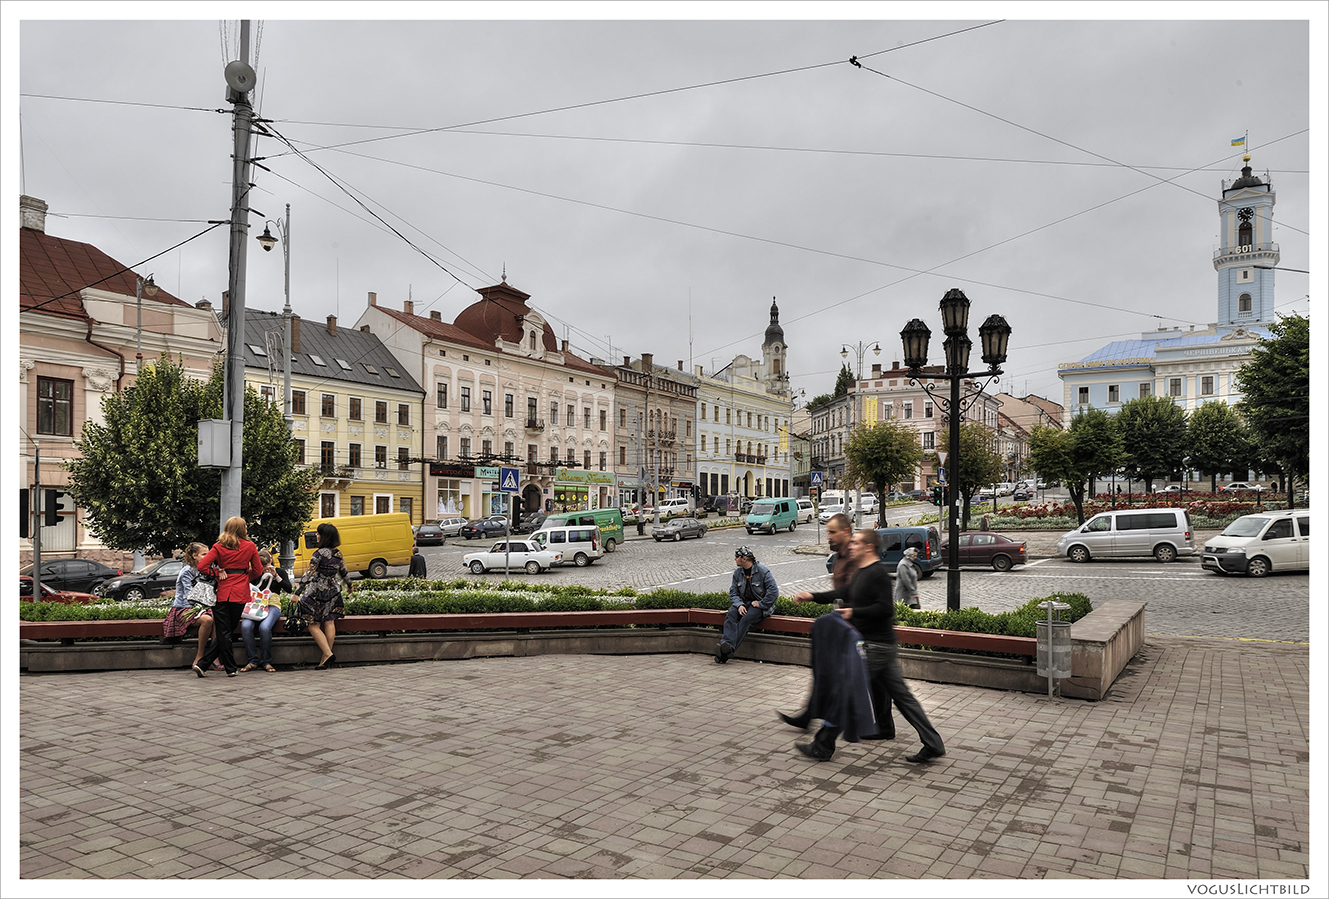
x=366, y=639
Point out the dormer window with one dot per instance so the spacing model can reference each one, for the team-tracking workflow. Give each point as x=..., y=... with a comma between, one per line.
x=532, y=341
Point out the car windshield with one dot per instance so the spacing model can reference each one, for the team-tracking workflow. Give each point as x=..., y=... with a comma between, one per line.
x=763, y=508
x=1245, y=527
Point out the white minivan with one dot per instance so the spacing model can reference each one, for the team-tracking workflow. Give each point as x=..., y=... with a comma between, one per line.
x=1260, y=543
x=806, y=512
x=580, y=545
x=1161, y=533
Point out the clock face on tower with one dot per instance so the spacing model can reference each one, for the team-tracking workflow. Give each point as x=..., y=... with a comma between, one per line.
x=1246, y=214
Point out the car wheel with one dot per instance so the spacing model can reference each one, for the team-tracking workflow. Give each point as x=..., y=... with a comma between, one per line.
x=1078, y=554
x=378, y=569
x=1001, y=563
x=749, y=530
x=792, y=525
x=610, y=545
x=658, y=539
x=134, y=594
x=1258, y=567
x=477, y=567
x=1165, y=552
x=582, y=560
x=532, y=567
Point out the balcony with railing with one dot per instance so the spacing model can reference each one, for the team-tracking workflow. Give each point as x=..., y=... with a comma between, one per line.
x=535, y=424
x=661, y=435
x=1256, y=252
x=750, y=459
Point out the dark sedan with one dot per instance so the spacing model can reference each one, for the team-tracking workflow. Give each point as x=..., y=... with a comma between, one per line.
x=81, y=575
x=429, y=535
x=154, y=580
x=485, y=527
x=679, y=528
x=917, y=495
x=988, y=548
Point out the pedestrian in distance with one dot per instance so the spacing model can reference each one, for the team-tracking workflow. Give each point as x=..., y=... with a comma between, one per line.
x=418, y=567
x=906, y=579
x=234, y=562
x=179, y=619
x=321, y=591
x=260, y=654
x=869, y=608
x=752, y=595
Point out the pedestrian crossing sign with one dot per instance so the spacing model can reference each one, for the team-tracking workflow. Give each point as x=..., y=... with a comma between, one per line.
x=507, y=480
x=816, y=479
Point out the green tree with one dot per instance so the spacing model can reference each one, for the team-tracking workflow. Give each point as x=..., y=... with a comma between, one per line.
x=1276, y=401
x=843, y=381
x=138, y=477
x=819, y=400
x=1153, y=438
x=979, y=464
x=1090, y=449
x=881, y=455
x=1218, y=440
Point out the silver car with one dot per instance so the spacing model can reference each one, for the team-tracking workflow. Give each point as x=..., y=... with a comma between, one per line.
x=679, y=528
x=1161, y=533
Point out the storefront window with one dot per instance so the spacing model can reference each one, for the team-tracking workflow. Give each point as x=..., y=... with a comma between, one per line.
x=450, y=501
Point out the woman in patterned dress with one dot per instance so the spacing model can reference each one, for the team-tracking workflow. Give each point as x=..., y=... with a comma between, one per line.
x=321, y=593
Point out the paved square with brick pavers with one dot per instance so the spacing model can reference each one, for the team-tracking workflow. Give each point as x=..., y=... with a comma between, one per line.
x=1196, y=766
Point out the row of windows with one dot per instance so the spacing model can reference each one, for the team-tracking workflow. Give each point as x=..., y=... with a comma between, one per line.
x=328, y=406
x=1174, y=388
x=509, y=406
x=327, y=456
x=760, y=422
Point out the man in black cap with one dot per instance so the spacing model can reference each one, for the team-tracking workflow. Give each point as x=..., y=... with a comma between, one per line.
x=752, y=595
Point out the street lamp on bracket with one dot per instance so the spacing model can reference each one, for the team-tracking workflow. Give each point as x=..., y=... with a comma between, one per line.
x=267, y=242
x=994, y=335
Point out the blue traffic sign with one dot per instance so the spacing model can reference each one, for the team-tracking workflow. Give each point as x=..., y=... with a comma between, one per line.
x=816, y=479
x=507, y=480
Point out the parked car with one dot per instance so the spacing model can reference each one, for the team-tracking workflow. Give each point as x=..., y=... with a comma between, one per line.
x=982, y=496
x=1022, y=494
x=1240, y=487
x=918, y=495
x=988, y=548
x=868, y=504
x=1161, y=533
x=523, y=555
x=73, y=574
x=1005, y=488
x=1042, y=485
x=678, y=529
x=926, y=539
x=154, y=580
x=452, y=525
x=675, y=505
x=50, y=594
x=484, y=527
x=1169, y=488
x=429, y=535
x=1262, y=543
x=828, y=510
x=529, y=524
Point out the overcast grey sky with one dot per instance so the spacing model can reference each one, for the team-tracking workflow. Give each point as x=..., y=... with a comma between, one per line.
x=653, y=184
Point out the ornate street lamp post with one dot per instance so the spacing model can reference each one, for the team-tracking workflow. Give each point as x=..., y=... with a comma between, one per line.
x=267, y=242
x=994, y=334
x=855, y=414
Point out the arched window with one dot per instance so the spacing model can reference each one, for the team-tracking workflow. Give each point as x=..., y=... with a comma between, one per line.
x=1244, y=234
x=532, y=341
x=1244, y=303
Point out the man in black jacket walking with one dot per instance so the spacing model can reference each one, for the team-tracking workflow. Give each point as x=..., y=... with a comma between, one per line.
x=868, y=605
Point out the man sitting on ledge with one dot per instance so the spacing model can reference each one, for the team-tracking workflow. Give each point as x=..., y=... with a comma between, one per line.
x=752, y=595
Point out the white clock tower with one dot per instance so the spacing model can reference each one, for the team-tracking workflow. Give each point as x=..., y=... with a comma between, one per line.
x=1246, y=252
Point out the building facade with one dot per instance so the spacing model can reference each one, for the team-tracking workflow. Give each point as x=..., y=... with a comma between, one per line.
x=503, y=393
x=1198, y=365
x=356, y=413
x=79, y=336
x=743, y=414
x=655, y=437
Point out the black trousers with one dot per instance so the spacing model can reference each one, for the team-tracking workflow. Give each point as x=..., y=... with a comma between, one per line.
x=225, y=615
x=886, y=684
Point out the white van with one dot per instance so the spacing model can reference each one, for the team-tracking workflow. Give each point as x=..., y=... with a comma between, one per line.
x=806, y=512
x=1161, y=533
x=1260, y=543
x=676, y=505
x=580, y=545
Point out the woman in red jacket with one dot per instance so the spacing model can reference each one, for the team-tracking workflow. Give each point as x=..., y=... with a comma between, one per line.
x=234, y=561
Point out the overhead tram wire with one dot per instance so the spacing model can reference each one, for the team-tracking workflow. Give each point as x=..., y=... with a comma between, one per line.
x=659, y=93
x=1033, y=131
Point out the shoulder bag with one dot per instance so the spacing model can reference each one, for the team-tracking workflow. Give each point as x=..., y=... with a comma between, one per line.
x=203, y=593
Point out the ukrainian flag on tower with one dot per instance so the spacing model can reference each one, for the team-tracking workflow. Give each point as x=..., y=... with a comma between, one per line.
x=1239, y=141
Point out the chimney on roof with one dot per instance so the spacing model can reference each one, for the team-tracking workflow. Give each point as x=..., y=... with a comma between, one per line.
x=364, y=328
x=295, y=333
x=627, y=362
x=32, y=213
x=895, y=366
x=565, y=344
x=435, y=315
x=647, y=361
x=680, y=364
x=332, y=325
x=373, y=298
x=876, y=369
x=408, y=307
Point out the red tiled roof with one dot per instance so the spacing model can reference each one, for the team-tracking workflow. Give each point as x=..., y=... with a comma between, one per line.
x=484, y=321
x=53, y=272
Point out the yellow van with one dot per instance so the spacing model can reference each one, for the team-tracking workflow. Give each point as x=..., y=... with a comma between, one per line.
x=369, y=543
